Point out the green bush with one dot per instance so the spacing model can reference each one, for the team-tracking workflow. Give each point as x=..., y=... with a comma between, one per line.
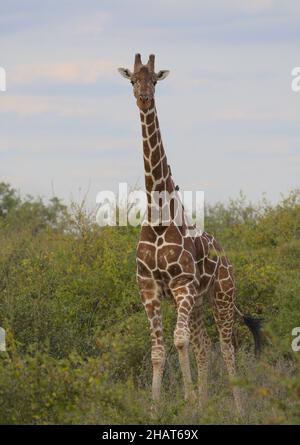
x=77, y=336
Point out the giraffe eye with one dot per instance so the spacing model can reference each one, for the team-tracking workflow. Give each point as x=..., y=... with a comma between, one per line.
x=132, y=82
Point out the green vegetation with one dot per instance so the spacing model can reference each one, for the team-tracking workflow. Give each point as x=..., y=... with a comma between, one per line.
x=78, y=346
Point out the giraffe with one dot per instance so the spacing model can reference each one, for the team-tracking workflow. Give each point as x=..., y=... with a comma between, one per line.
x=176, y=263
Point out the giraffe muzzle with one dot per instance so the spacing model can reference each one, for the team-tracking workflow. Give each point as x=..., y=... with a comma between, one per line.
x=144, y=104
x=144, y=98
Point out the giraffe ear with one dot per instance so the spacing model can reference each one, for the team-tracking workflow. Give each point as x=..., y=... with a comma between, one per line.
x=161, y=75
x=125, y=73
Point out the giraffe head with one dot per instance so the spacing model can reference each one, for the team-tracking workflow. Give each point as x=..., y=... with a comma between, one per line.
x=143, y=80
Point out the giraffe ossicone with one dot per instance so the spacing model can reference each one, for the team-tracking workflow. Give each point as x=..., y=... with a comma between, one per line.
x=173, y=264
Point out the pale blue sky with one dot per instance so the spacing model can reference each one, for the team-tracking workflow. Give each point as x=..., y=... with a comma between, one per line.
x=228, y=116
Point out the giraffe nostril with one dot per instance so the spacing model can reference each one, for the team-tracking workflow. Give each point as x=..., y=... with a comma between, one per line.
x=143, y=98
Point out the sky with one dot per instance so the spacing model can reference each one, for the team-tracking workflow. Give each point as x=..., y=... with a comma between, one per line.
x=228, y=116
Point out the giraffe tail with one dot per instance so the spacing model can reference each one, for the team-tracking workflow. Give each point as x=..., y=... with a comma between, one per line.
x=254, y=325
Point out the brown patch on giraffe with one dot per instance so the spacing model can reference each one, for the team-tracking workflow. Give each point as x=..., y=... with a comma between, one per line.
x=157, y=172
x=200, y=266
x=147, y=166
x=165, y=276
x=209, y=266
x=184, y=311
x=155, y=156
x=144, y=132
x=161, y=186
x=151, y=128
x=153, y=140
x=223, y=303
x=200, y=253
x=223, y=272
x=226, y=284
x=182, y=229
x=190, y=246
x=205, y=244
x=179, y=293
x=146, y=149
x=156, y=303
x=212, y=253
x=220, y=295
x=149, y=183
x=182, y=281
x=187, y=263
x=146, y=253
x=174, y=270
x=147, y=296
x=148, y=234
x=156, y=323
x=160, y=241
x=142, y=269
x=178, y=299
x=170, y=253
x=186, y=305
x=159, y=230
x=224, y=261
x=173, y=235
x=150, y=118
x=204, y=281
x=190, y=299
x=147, y=284
x=162, y=262
x=150, y=310
x=156, y=274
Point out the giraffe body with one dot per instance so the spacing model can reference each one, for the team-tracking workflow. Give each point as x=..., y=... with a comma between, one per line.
x=185, y=266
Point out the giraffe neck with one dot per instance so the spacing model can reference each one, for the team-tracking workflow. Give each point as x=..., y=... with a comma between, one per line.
x=157, y=171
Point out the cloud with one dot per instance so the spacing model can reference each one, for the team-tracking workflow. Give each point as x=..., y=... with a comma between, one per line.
x=83, y=71
x=84, y=107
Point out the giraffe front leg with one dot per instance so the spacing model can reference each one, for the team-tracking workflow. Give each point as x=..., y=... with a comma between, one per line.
x=151, y=302
x=184, y=301
x=158, y=356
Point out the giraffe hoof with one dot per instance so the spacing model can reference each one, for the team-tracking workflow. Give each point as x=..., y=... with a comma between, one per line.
x=191, y=398
x=240, y=414
x=154, y=410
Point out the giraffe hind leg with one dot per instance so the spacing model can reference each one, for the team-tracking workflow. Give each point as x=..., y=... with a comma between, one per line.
x=223, y=309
